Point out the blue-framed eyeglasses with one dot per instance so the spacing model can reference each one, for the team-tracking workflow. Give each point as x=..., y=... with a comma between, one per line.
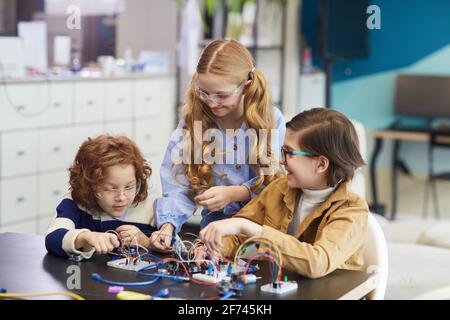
x=285, y=152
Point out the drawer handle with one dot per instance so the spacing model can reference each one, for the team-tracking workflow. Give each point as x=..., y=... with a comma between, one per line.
x=20, y=153
x=148, y=99
x=57, y=105
x=90, y=103
x=57, y=149
x=20, y=199
x=56, y=192
x=148, y=136
x=120, y=100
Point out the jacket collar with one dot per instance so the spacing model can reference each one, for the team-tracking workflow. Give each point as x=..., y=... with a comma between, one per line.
x=292, y=196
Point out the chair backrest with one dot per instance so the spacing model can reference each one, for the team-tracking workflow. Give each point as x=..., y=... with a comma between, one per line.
x=359, y=181
x=435, y=294
x=376, y=258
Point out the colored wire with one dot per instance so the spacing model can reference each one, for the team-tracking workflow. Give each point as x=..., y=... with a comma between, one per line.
x=99, y=278
x=273, y=250
x=41, y=294
x=226, y=295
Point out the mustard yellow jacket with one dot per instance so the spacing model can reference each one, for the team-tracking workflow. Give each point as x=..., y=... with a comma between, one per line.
x=332, y=237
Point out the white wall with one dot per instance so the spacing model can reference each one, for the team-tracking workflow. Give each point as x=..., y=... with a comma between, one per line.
x=147, y=25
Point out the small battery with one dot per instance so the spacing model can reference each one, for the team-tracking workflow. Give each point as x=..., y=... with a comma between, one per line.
x=248, y=278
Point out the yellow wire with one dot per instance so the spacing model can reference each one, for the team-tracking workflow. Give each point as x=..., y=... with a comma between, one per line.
x=23, y=295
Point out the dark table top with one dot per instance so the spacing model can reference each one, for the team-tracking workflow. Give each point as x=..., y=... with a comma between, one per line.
x=26, y=267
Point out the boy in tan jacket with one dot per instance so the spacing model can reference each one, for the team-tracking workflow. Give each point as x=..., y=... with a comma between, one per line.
x=311, y=214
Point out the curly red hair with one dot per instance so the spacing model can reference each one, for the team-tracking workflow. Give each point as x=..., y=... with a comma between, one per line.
x=93, y=158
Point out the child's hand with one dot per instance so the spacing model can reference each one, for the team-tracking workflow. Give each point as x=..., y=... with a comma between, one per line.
x=215, y=198
x=200, y=254
x=160, y=240
x=101, y=242
x=212, y=234
x=129, y=234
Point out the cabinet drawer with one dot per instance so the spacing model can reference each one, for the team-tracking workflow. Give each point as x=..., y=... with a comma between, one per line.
x=124, y=128
x=155, y=97
x=55, y=151
x=19, y=153
x=119, y=102
x=52, y=188
x=18, y=102
x=151, y=136
x=80, y=134
x=29, y=105
x=89, y=101
x=44, y=223
x=58, y=108
x=28, y=227
x=18, y=199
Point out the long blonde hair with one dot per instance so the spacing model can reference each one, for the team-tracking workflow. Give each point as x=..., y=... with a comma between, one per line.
x=229, y=59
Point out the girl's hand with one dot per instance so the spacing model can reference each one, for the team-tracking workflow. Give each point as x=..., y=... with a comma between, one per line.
x=129, y=234
x=101, y=242
x=160, y=240
x=216, y=198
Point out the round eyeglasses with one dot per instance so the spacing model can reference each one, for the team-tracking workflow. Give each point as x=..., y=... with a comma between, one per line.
x=112, y=193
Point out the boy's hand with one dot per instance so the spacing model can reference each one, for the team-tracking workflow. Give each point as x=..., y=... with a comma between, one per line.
x=129, y=234
x=216, y=198
x=101, y=242
x=200, y=254
x=160, y=240
x=212, y=234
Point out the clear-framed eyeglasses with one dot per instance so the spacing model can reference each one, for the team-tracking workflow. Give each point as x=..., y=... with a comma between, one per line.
x=112, y=193
x=219, y=98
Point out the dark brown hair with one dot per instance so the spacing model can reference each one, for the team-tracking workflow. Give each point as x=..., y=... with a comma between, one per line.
x=329, y=133
x=92, y=160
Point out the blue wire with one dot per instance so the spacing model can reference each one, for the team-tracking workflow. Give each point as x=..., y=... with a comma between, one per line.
x=226, y=295
x=99, y=278
x=162, y=275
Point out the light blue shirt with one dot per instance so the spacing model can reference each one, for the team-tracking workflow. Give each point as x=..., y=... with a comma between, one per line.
x=176, y=205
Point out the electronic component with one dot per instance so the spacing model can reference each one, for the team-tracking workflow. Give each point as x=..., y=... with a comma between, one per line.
x=128, y=264
x=235, y=286
x=115, y=289
x=210, y=278
x=75, y=257
x=249, y=278
x=280, y=287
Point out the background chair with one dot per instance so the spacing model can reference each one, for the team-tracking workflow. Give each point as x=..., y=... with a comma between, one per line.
x=436, y=294
x=433, y=177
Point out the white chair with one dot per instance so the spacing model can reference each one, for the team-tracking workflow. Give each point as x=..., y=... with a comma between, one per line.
x=376, y=253
x=376, y=258
x=436, y=294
